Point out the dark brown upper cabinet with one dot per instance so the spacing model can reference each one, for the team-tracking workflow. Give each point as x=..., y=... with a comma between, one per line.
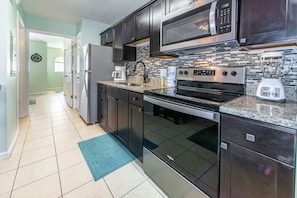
x=136, y=27
x=172, y=5
x=267, y=21
x=107, y=37
x=117, y=43
x=120, y=51
x=129, y=30
x=157, y=11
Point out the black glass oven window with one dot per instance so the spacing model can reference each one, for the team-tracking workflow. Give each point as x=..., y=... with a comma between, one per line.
x=186, y=143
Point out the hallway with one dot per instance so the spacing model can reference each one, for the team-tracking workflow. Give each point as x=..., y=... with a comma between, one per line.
x=47, y=162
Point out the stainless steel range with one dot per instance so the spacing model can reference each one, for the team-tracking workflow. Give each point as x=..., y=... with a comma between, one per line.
x=182, y=129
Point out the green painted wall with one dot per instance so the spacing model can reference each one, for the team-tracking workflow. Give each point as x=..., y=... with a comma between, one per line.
x=54, y=79
x=90, y=31
x=8, y=81
x=38, y=70
x=48, y=25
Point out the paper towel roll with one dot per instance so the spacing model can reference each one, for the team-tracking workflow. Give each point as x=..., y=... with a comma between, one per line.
x=171, y=76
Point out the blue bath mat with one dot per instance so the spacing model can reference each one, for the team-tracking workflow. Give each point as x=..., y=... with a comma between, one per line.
x=104, y=155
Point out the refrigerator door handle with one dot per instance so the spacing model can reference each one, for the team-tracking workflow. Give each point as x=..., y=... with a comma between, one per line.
x=85, y=83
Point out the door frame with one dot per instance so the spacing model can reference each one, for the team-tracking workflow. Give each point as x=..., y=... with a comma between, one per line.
x=23, y=69
x=72, y=38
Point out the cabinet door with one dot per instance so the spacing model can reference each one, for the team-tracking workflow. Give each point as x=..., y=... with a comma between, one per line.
x=157, y=11
x=117, y=43
x=101, y=111
x=172, y=5
x=136, y=130
x=263, y=177
x=263, y=24
x=123, y=122
x=142, y=23
x=129, y=30
x=112, y=113
x=107, y=38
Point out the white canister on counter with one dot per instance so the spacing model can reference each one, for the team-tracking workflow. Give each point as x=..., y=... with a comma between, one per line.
x=163, y=77
x=171, y=76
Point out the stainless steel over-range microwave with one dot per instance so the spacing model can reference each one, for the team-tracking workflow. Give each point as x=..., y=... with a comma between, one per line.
x=203, y=23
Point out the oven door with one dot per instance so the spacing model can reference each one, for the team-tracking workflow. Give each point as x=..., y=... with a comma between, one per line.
x=186, y=138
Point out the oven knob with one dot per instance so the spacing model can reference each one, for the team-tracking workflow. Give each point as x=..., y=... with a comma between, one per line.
x=181, y=72
x=233, y=73
x=186, y=72
x=225, y=73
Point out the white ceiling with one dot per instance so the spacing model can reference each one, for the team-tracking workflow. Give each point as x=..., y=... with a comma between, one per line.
x=71, y=11
x=52, y=41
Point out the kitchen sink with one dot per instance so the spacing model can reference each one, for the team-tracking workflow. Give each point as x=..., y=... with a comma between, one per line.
x=132, y=84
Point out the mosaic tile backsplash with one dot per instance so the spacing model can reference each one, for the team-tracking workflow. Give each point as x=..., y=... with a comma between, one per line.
x=249, y=59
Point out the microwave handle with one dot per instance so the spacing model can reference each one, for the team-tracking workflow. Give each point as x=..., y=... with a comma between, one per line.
x=212, y=18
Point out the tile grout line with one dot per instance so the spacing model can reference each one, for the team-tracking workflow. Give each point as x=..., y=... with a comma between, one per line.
x=30, y=163
x=21, y=154
x=56, y=154
x=108, y=187
x=76, y=129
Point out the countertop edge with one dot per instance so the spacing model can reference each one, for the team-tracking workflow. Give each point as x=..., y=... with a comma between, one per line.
x=139, y=89
x=282, y=114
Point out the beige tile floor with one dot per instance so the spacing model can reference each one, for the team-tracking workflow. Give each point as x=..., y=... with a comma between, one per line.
x=47, y=162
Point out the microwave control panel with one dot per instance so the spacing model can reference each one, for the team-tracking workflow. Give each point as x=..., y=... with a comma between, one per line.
x=224, y=16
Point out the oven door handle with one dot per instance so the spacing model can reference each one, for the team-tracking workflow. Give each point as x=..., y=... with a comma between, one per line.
x=186, y=109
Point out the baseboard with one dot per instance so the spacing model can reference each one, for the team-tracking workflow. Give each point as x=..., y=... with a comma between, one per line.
x=55, y=89
x=5, y=155
x=37, y=93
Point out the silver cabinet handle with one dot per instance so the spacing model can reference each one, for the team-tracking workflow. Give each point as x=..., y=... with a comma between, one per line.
x=169, y=157
x=224, y=146
x=250, y=137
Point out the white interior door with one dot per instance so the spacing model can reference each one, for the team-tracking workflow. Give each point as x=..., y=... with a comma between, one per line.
x=68, y=75
x=78, y=65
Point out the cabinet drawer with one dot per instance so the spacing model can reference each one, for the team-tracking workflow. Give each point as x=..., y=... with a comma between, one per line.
x=117, y=93
x=272, y=140
x=136, y=98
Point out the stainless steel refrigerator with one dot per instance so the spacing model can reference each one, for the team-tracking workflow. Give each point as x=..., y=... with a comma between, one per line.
x=96, y=64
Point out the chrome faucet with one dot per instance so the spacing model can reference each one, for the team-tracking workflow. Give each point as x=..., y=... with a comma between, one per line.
x=145, y=76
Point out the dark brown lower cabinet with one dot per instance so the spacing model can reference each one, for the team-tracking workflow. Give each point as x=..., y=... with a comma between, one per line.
x=136, y=130
x=123, y=117
x=111, y=106
x=257, y=159
x=117, y=113
x=102, y=105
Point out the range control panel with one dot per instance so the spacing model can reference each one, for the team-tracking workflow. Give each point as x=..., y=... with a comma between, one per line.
x=212, y=74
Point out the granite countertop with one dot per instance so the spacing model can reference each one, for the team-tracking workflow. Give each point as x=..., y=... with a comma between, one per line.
x=152, y=84
x=283, y=114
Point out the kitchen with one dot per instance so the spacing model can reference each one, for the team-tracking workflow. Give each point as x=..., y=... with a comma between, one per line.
x=249, y=59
